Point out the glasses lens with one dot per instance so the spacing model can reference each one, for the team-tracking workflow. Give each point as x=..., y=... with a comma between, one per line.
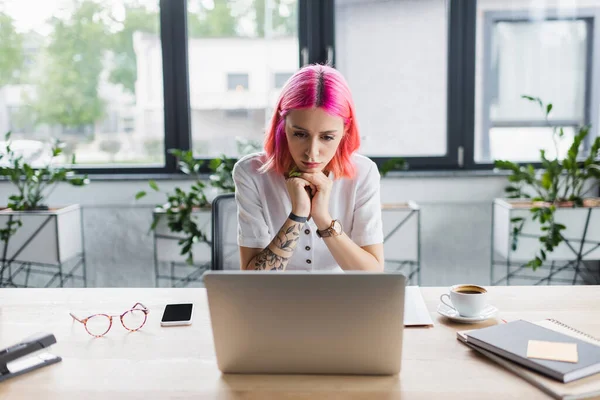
x=98, y=325
x=134, y=319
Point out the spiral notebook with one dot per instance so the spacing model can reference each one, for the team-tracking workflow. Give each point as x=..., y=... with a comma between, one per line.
x=581, y=389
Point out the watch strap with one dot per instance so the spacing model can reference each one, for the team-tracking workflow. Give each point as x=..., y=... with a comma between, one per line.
x=330, y=231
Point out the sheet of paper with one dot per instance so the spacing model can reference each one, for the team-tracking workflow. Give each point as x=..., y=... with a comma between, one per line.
x=552, y=351
x=415, y=310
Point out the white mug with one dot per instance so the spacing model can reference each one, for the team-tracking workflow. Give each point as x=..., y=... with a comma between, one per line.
x=467, y=300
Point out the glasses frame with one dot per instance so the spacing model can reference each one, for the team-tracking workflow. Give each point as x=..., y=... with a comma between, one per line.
x=135, y=307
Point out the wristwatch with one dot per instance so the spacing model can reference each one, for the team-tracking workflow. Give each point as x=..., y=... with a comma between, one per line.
x=335, y=229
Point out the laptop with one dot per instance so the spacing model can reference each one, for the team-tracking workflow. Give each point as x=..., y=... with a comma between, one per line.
x=307, y=323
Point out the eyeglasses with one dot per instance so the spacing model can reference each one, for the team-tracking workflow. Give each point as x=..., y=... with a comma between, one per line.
x=99, y=324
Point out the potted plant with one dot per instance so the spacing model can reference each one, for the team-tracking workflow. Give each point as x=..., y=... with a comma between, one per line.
x=393, y=164
x=547, y=214
x=185, y=216
x=30, y=231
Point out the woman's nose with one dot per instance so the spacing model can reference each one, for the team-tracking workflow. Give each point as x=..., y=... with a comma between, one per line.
x=313, y=150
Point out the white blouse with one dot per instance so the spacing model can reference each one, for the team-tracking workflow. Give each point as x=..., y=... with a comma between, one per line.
x=264, y=204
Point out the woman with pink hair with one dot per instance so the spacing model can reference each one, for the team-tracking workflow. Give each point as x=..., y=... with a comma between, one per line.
x=309, y=201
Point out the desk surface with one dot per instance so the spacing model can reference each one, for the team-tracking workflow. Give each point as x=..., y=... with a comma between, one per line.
x=179, y=362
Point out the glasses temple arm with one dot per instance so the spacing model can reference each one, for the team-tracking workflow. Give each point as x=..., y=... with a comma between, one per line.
x=139, y=304
x=75, y=318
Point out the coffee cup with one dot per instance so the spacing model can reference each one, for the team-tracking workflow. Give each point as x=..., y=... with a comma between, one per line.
x=468, y=300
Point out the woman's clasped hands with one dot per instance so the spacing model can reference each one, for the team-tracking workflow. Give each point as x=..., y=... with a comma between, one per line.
x=310, y=193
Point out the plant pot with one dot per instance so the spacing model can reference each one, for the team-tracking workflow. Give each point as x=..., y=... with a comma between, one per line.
x=166, y=242
x=51, y=236
x=574, y=218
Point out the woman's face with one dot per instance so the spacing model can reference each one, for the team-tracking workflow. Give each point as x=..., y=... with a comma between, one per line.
x=313, y=137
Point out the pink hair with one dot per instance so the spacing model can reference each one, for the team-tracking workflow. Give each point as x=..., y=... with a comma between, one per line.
x=311, y=87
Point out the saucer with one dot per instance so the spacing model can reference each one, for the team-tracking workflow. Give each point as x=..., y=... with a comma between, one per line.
x=488, y=312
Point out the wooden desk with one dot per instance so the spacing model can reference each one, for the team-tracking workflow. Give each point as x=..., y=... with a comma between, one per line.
x=179, y=362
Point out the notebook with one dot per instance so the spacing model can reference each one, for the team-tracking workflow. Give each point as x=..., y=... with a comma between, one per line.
x=581, y=389
x=511, y=341
x=415, y=310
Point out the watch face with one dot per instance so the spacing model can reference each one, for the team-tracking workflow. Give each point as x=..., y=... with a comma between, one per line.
x=337, y=227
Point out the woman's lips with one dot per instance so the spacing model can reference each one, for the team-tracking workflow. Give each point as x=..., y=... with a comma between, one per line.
x=311, y=165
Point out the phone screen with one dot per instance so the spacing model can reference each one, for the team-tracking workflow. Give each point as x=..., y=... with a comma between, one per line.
x=177, y=312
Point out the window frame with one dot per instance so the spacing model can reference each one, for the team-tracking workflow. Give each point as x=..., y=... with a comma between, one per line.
x=591, y=95
x=460, y=86
x=173, y=37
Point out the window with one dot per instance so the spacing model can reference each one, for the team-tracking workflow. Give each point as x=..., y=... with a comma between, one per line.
x=110, y=123
x=438, y=82
x=77, y=66
x=547, y=51
x=237, y=82
x=394, y=55
x=258, y=35
x=281, y=78
x=20, y=120
x=82, y=131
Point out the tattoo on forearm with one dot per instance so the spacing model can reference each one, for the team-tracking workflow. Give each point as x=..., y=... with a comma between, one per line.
x=267, y=260
x=285, y=241
x=286, y=238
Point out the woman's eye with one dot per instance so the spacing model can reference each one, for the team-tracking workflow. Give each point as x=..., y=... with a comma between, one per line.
x=328, y=138
x=299, y=134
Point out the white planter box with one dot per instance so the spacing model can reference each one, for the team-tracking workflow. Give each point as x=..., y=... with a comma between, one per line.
x=573, y=218
x=166, y=242
x=59, y=236
x=403, y=244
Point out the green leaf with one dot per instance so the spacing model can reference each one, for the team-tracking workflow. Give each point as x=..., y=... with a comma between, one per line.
x=535, y=263
x=503, y=164
x=155, y=221
x=393, y=164
x=153, y=185
x=214, y=163
x=294, y=172
x=534, y=99
x=515, y=178
x=547, y=180
x=530, y=170
x=79, y=181
x=140, y=194
x=548, y=108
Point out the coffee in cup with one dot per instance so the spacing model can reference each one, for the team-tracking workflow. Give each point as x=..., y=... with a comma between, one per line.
x=468, y=300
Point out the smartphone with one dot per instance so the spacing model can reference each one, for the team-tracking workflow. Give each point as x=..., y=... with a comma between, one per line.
x=177, y=314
